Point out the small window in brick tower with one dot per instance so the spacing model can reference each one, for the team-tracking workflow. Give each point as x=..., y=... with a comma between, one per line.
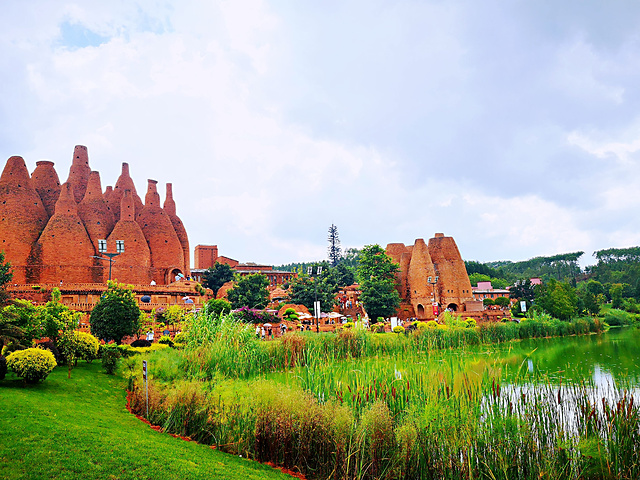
x=120, y=246
x=102, y=246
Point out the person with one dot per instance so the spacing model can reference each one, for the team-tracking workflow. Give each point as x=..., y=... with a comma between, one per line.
x=262, y=332
x=270, y=333
x=150, y=335
x=257, y=331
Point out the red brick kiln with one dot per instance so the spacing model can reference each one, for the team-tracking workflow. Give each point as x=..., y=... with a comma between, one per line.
x=50, y=233
x=439, y=262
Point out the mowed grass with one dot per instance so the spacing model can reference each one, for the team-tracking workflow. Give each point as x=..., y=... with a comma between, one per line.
x=79, y=428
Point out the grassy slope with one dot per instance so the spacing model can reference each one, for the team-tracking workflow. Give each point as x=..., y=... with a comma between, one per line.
x=80, y=429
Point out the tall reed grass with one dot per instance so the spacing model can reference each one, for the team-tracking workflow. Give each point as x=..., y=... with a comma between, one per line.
x=330, y=406
x=450, y=422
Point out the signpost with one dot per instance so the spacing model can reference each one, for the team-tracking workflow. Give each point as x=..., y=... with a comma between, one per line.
x=146, y=385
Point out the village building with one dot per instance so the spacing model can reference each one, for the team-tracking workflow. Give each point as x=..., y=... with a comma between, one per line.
x=206, y=256
x=485, y=290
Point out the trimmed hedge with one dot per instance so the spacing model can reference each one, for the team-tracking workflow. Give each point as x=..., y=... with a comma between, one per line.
x=32, y=364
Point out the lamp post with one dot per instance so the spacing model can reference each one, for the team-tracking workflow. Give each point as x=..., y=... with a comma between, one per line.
x=316, y=303
x=102, y=247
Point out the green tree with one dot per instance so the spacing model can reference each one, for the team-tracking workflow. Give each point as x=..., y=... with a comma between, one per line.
x=375, y=263
x=24, y=314
x=173, y=315
x=475, y=277
x=351, y=257
x=55, y=318
x=343, y=275
x=377, y=275
x=616, y=295
x=11, y=334
x=250, y=291
x=380, y=298
x=116, y=315
x=216, y=276
x=5, y=278
x=502, y=301
x=558, y=299
x=290, y=315
x=302, y=291
x=523, y=290
x=218, y=306
x=335, y=252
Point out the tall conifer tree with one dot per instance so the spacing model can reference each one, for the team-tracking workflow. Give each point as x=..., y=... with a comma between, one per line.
x=335, y=252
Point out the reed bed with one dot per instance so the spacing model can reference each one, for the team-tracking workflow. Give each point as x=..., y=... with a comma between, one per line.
x=361, y=406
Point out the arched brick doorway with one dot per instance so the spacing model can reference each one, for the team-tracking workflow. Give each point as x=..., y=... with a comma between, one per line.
x=420, y=311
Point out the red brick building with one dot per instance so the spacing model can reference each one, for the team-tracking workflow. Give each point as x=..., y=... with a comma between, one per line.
x=52, y=232
x=206, y=257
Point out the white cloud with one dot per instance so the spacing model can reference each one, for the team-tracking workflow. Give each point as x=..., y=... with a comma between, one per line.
x=387, y=128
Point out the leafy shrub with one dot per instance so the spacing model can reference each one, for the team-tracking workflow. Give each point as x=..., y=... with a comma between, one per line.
x=32, y=364
x=165, y=340
x=615, y=317
x=110, y=356
x=254, y=315
x=49, y=345
x=218, y=306
x=398, y=329
x=178, y=338
x=471, y=323
x=421, y=325
x=141, y=343
x=349, y=325
x=432, y=324
x=3, y=367
x=88, y=346
x=377, y=328
x=79, y=345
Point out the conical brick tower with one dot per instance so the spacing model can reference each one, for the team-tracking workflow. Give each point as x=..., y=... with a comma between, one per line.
x=64, y=249
x=167, y=259
x=396, y=252
x=420, y=269
x=79, y=172
x=134, y=264
x=456, y=287
x=178, y=226
x=123, y=183
x=93, y=210
x=22, y=216
x=46, y=182
x=108, y=199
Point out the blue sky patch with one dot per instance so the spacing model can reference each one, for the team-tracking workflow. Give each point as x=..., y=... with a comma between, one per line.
x=74, y=35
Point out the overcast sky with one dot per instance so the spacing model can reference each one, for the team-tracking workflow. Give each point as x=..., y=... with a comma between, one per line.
x=513, y=126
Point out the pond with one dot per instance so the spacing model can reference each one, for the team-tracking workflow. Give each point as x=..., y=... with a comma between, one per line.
x=602, y=362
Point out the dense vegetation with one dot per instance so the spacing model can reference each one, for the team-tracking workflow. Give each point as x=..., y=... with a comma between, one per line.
x=331, y=421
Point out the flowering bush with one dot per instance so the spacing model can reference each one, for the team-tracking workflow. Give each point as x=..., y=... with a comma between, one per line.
x=32, y=364
x=253, y=315
x=398, y=329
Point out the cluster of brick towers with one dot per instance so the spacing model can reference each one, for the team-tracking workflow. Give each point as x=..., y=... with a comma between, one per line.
x=52, y=232
x=431, y=274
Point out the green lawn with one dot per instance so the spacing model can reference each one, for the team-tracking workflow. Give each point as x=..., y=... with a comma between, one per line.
x=80, y=429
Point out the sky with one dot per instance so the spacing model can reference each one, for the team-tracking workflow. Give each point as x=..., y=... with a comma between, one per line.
x=512, y=126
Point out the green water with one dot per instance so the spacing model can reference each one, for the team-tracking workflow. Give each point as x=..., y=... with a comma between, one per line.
x=614, y=355
x=610, y=358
